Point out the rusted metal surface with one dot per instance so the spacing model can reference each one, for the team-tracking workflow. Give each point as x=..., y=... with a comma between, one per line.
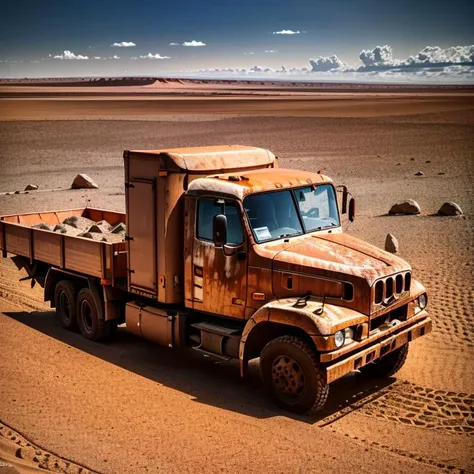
x=244, y=183
x=155, y=256
x=210, y=159
x=383, y=347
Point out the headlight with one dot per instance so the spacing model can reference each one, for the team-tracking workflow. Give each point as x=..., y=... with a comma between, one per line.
x=422, y=301
x=348, y=333
x=339, y=338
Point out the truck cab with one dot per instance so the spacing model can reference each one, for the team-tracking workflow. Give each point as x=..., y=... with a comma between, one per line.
x=269, y=273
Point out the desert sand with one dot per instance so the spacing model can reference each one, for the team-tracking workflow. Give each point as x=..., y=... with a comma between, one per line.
x=130, y=406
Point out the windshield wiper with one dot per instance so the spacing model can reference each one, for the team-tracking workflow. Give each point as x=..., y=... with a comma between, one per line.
x=289, y=235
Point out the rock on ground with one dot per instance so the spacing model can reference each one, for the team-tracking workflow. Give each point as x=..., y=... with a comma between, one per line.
x=391, y=244
x=82, y=181
x=419, y=173
x=31, y=187
x=405, y=207
x=450, y=209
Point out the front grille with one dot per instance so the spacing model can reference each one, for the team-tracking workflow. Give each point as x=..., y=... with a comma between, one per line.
x=398, y=313
x=393, y=285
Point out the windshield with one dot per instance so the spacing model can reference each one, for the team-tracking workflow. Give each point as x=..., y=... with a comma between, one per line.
x=279, y=214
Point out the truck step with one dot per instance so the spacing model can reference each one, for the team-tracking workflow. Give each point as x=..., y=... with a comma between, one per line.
x=216, y=329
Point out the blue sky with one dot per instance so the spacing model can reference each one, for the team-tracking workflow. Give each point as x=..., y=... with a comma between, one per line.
x=33, y=30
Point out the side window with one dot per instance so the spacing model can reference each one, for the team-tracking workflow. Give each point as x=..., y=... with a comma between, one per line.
x=210, y=207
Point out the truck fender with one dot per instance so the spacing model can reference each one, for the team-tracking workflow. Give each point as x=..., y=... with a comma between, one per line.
x=290, y=315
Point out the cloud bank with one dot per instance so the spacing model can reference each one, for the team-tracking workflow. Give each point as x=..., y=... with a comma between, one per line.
x=194, y=44
x=154, y=56
x=70, y=55
x=431, y=63
x=123, y=44
x=286, y=32
x=325, y=64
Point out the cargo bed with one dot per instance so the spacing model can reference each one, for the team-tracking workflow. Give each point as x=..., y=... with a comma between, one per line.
x=104, y=260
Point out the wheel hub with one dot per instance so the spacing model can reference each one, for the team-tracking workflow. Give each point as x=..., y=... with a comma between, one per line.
x=288, y=377
x=64, y=306
x=86, y=311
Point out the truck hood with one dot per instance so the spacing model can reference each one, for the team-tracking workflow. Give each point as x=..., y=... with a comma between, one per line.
x=335, y=253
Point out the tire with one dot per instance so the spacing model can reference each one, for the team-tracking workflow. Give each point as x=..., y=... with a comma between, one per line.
x=90, y=317
x=292, y=375
x=65, y=298
x=387, y=365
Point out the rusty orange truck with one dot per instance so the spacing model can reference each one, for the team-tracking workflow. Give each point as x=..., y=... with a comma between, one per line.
x=228, y=254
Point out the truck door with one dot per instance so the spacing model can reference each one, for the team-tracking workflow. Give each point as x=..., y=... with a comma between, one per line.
x=219, y=275
x=141, y=230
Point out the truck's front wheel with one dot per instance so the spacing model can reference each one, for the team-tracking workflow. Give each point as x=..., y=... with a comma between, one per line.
x=386, y=365
x=292, y=375
x=65, y=296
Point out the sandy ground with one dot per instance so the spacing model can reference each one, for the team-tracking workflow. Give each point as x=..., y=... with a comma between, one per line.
x=129, y=406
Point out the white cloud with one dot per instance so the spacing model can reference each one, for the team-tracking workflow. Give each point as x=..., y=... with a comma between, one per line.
x=174, y=44
x=153, y=56
x=250, y=53
x=96, y=57
x=379, y=56
x=70, y=55
x=194, y=43
x=330, y=63
x=286, y=32
x=123, y=44
x=436, y=55
x=115, y=57
x=270, y=51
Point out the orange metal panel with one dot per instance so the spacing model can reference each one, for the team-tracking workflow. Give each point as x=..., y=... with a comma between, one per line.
x=47, y=247
x=141, y=246
x=17, y=240
x=83, y=256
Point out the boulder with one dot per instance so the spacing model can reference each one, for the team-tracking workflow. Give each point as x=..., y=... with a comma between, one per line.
x=31, y=187
x=419, y=173
x=391, y=244
x=41, y=226
x=66, y=229
x=405, y=207
x=101, y=227
x=428, y=161
x=113, y=238
x=92, y=236
x=82, y=181
x=120, y=228
x=450, y=209
x=79, y=222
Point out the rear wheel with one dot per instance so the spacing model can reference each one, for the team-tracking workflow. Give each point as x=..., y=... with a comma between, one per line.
x=90, y=317
x=292, y=375
x=65, y=296
x=386, y=365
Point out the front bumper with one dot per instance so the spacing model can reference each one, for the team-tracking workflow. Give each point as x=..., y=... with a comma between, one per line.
x=379, y=347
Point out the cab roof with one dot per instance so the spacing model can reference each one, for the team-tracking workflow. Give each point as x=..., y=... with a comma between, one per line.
x=270, y=179
x=209, y=159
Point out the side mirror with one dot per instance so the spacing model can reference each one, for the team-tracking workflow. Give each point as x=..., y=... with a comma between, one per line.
x=352, y=209
x=345, y=193
x=219, y=230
